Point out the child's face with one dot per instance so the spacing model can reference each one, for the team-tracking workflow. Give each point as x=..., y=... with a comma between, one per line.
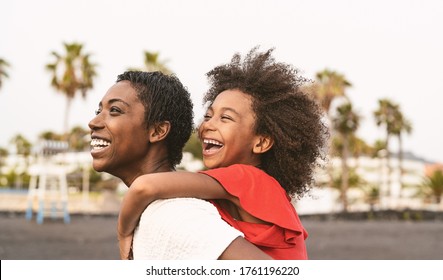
x=227, y=131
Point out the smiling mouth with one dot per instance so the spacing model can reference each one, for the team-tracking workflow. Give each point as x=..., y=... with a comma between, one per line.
x=211, y=146
x=98, y=144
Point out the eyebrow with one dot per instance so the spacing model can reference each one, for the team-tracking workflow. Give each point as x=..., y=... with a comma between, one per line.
x=114, y=100
x=230, y=109
x=225, y=109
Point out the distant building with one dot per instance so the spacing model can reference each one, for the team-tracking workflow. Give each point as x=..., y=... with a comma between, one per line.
x=396, y=191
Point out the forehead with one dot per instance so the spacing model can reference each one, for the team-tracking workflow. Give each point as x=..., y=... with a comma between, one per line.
x=121, y=91
x=234, y=99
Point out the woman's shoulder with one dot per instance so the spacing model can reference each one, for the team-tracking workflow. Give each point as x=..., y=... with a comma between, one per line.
x=175, y=205
x=242, y=173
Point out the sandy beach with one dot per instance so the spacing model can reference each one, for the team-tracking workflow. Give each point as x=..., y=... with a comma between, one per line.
x=93, y=237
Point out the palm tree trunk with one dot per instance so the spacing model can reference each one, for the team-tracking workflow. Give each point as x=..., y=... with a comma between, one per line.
x=330, y=167
x=400, y=163
x=345, y=175
x=388, y=167
x=66, y=118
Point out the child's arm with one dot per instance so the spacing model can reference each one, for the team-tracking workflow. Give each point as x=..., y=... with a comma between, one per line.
x=147, y=188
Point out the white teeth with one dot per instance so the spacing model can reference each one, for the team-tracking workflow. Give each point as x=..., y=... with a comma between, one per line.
x=99, y=143
x=213, y=142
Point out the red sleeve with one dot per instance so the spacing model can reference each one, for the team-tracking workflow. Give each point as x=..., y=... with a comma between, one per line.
x=259, y=194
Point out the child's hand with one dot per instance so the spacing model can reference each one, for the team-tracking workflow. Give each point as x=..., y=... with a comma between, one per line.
x=125, y=237
x=125, y=245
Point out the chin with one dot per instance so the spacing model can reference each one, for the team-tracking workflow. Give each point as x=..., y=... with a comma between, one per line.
x=98, y=167
x=210, y=165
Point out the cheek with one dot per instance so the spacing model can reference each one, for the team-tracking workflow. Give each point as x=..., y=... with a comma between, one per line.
x=130, y=136
x=136, y=137
x=199, y=130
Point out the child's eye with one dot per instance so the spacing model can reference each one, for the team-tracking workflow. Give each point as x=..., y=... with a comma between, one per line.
x=226, y=117
x=207, y=117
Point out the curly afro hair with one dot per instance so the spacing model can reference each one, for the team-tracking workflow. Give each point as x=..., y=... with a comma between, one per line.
x=165, y=99
x=289, y=116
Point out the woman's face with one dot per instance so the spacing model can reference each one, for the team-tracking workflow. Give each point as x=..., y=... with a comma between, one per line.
x=119, y=137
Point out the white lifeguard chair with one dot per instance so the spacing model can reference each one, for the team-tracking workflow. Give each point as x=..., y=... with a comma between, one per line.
x=48, y=182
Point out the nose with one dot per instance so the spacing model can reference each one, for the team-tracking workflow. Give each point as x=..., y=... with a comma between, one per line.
x=207, y=125
x=206, y=128
x=96, y=123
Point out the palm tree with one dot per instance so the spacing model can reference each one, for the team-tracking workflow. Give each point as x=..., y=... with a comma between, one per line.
x=386, y=115
x=359, y=147
x=329, y=86
x=22, y=145
x=50, y=135
x=372, y=195
x=3, y=73
x=379, y=152
x=353, y=180
x=72, y=72
x=400, y=125
x=345, y=122
x=378, y=148
x=433, y=185
x=152, y=63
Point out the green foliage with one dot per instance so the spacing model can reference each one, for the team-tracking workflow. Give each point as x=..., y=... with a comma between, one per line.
x=390, y=116
x=3, y=73
x=329, y=85
x=3, y=154
x=72, y=73
x=194, y=146
x=346, y=121
x=379, y=145
x=357, y=146
x=152, y=63
x=354, y=180
x=77, y=72
x=372, y=194
x=432, y=186
x=79, y=139
x=75, y=178
x=50, y=135
x=22, y=145
x=13, y=178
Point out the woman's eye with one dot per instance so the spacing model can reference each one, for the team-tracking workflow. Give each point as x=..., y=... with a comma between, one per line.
x=115, y=110
x=97, y=111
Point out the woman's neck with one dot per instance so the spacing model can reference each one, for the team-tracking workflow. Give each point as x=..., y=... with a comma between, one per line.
x=152, y=166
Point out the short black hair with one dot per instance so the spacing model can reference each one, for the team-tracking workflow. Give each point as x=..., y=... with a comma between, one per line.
x=165, y=99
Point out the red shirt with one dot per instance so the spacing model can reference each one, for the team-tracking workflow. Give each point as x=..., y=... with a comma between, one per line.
x=262, y=196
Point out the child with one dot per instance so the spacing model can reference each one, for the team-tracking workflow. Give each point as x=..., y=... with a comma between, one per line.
x=261, y=139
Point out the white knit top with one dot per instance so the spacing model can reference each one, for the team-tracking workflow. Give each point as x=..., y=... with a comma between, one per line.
x=182, y=229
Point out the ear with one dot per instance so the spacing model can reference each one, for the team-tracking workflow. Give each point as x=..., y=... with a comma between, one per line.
x=159, y=131
x=262, y=144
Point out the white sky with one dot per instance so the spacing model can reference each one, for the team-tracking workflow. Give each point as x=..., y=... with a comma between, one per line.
x=386, y=49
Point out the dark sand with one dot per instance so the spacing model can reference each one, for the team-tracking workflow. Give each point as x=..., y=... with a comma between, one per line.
x=94, y=238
